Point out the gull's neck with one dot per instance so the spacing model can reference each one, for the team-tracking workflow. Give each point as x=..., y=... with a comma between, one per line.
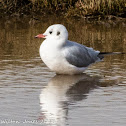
x=58, y=43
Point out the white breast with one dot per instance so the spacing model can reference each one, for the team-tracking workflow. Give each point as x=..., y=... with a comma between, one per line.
x=53, y=57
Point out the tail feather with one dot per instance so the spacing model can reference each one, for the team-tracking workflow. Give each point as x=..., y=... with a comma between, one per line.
x=110, y=53
x=102, y=54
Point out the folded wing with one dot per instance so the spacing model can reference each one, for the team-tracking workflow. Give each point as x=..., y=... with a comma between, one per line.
x=80, y=55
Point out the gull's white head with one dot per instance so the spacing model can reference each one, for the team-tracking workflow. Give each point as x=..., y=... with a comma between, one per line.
x=55, y=32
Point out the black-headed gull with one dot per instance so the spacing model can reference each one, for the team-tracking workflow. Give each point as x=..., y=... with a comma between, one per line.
x=63, y=56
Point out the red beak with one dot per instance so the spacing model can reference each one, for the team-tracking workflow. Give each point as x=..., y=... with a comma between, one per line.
x=40, y=36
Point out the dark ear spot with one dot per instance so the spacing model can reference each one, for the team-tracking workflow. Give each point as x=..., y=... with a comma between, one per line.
x=50, y=32
x=58, y=33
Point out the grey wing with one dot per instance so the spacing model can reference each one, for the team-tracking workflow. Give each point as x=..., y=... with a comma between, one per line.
x=79, y=55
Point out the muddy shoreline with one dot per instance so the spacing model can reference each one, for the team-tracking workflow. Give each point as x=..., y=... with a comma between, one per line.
x=88, y=9
x=34, y=12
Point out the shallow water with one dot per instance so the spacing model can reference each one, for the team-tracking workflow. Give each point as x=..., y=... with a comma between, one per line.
x=30, y=94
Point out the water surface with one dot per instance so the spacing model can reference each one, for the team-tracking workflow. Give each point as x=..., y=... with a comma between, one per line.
x=30, y=94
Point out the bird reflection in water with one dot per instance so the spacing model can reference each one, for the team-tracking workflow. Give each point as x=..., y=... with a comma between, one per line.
x=62, y=91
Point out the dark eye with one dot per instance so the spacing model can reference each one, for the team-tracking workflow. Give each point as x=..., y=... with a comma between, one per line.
x=58, y=33
x=50, y=32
